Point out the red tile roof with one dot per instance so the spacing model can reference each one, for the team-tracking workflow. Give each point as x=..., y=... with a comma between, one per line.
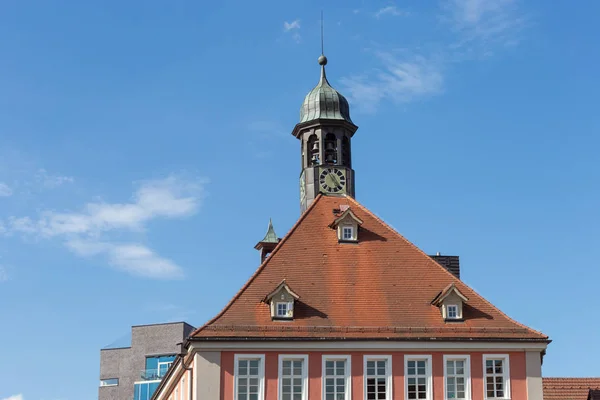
x=379, y=288
x=569, y=388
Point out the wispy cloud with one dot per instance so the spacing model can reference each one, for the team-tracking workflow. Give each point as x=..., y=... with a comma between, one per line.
x=52, y=181
x=87, y=232
x=5, y=190
x=3, y=274
x=484, y=23
x=293, y=29
x=390, y=11
x=401, y=78
x=134, y=258
x=15, y=397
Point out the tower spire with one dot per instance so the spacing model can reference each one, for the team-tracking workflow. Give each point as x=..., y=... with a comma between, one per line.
x=322, y=59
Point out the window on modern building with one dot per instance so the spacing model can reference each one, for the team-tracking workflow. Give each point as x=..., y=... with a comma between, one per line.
x=496, y=373
x=157, y=367
x=109, y=382
x=336, y=378
x=457, y=377
x=378, y=377
x=452, y=311
x=418, y=377
x=163, y=367
x=249, y=376
x=293, y=377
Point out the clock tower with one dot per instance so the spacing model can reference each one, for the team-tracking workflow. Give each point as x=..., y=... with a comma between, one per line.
x=325, y=132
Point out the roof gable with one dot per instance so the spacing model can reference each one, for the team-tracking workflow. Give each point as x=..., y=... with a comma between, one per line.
x=381, y=287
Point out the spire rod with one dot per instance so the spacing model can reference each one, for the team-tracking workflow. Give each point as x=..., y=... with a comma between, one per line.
x=322, y=49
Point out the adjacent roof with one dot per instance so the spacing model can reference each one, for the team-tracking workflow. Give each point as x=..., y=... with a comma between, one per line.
x=569, y=388
x=324, y=102
x=379, y=288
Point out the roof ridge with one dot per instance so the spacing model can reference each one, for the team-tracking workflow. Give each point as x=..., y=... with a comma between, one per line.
x=381, y=221
x=260, y=268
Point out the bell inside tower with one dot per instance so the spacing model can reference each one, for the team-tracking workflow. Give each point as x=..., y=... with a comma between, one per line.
x=331, y=149
x=313, y=150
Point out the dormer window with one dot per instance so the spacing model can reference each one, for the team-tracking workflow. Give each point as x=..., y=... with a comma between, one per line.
x=281, y=302
x=347, y=233
x=452, y=311
x=284, y=310
x=347, y=226
x=450, y=301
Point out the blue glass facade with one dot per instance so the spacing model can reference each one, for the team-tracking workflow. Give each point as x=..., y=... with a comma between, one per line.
x=145, y=390
x=156, y=368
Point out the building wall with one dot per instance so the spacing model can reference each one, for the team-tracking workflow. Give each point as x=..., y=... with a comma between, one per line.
x=128, y=363
x=517, y=370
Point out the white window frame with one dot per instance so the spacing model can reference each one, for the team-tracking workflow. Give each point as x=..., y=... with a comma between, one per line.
x=159, y=363
x=419, y=357
x=388, y=374
x=505, y=375
x=289, y=306
x=351, y=229
x=347, y=375
x=458, y=357
x=109, y=385
x=448, y=311
x=261, y=373
x=293, y=357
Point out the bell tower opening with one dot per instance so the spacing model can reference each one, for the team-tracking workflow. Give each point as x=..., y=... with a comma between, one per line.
x=325, y=131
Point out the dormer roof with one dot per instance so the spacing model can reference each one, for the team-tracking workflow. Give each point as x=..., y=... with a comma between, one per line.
x=346, y=214
x=278, y=289
x=447, y=291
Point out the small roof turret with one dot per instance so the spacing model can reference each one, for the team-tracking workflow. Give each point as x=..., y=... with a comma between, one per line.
x=269, y=242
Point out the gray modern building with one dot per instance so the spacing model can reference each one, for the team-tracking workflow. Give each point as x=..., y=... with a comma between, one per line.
x=133, y=370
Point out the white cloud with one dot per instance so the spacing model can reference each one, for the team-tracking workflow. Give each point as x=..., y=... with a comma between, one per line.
x=390, y=10
x=290, y=26
x=484, y=23
x=85, y=231
x=134, y=258
x=15, y=397
x=167, y=198
x=5, y=191
x=52, y=181
x=400, y=78
x=293, y=28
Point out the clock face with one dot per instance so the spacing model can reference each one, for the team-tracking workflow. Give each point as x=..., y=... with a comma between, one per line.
x=302, y=187
x=332, y=180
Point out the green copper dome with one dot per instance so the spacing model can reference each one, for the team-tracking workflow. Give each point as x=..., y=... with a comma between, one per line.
x=324, y=101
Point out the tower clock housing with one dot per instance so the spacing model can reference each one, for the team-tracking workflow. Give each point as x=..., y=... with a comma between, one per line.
x=325, y=132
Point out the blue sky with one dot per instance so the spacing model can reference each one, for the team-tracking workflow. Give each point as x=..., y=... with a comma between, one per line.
x=145, y=145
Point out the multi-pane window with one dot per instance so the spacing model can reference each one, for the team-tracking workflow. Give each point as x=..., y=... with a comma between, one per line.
x=347, y=233
x=248, y=377
x=496, y=376
x=418, y=376
x=336, y=378
x=377, y=377
x=293, y=377
x=457, y=377
x=452, y=311
x=283, y=309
